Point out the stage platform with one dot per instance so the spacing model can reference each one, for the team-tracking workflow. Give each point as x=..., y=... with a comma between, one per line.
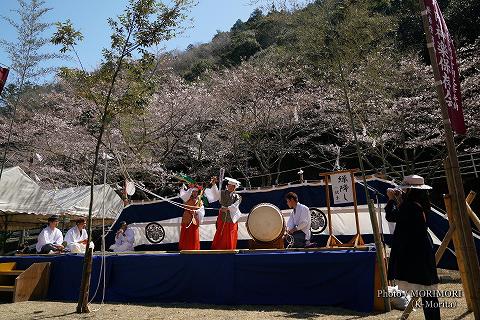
x=339, y=278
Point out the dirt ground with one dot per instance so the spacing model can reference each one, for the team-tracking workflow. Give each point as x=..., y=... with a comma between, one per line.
x=450, y=280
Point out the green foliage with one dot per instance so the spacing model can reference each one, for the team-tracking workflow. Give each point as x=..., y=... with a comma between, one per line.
x=244, y=45
x=339, y=34
x=318, y=30
x=238, y=26
x=198, y=69
x=66, y=36
x=123, y=84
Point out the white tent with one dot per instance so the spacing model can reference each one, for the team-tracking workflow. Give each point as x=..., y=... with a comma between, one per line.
x=75, y=201
x=23, y=204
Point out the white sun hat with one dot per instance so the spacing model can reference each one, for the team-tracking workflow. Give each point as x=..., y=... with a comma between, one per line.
x=414, y=182
x=232, y=181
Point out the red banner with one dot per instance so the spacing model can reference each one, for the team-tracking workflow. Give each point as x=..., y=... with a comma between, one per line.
x=447, y=65
x=3, y=78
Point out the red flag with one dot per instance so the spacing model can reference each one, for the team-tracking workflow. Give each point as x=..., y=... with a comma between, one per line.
x=447, y=64
x=3, y=78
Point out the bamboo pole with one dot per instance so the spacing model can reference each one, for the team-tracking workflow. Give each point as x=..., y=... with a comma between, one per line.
x=463, y=233
x=371, y=209
x=459, y=251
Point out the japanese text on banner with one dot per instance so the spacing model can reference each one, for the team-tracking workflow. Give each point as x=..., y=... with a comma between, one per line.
x=342, y=188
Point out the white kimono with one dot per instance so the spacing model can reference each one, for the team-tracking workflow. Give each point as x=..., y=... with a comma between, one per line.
x=213, y=194
x=47, y=235
x=301, y=219
x=73, y=239
x=124, y=241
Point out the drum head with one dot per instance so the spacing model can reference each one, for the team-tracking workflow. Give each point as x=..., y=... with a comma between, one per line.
x=265, y=222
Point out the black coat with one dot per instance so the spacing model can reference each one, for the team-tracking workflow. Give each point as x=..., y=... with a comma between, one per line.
x=412, y=258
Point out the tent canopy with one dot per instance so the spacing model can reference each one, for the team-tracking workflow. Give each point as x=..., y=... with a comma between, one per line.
x=25, y=205
x=20, y=194
x=76, y=200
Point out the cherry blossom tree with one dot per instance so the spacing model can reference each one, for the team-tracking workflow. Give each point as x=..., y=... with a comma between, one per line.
x=121, y=83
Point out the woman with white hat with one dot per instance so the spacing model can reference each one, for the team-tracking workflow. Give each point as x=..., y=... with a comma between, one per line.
x=227, y=221
x=412, y=259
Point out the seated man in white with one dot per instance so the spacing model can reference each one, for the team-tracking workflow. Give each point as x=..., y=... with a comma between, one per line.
x=50, y=238
x=124, y=239
x=77, y=237
x=298, y=225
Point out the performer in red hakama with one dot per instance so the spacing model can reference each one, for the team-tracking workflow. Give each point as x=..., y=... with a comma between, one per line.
x=191, y=219
x=227, y=221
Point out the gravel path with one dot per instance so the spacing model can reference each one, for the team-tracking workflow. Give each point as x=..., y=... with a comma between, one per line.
x=65, y=310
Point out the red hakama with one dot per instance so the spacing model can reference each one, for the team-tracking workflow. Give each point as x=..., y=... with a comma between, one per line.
x=189, y=237
x=226, y=235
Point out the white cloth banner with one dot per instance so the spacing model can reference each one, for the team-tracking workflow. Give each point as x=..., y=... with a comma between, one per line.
x=171, y=228
x=342, y=188
x=343, y=221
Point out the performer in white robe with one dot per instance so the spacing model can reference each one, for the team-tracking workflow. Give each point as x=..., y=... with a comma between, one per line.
x=191, y=219
x=50, y=239
x=227, y=221
x=77, y=237
x=124, y=239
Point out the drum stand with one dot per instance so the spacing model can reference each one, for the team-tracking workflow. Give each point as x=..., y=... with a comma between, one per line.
x=277, y=244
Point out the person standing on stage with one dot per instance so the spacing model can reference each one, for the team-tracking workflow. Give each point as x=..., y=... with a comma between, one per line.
x=50, y=239
x=76, y=237
x=191, y=219
x=227, y=221
x=298, y=225
x=412, y=259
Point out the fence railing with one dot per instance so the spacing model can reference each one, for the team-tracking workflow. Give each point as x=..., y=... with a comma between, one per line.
x=433, y=169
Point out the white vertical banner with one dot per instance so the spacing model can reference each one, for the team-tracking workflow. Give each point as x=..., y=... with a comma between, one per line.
x=342, y=188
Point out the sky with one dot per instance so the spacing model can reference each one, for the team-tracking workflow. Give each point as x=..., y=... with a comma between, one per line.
x=90, y=17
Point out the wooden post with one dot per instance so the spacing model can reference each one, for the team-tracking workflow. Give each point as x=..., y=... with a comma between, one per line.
x=460, y=251
x=327, y=197
x=332, y=240
x=357, y=239
x=472, y=214
x=471, y=196
x=443, y=246
x=465, y=244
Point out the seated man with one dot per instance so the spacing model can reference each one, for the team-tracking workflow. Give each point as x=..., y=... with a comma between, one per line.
x=124, y=239
x=298, y=225
x=50, y=238
x=77, y=237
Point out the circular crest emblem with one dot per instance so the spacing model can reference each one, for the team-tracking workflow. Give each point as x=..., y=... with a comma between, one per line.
x=319, y=221
x=154, y=232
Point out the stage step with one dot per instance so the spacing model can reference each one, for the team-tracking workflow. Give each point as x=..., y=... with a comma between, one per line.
x=11, y=273
x=7, y=288
x=29, y=284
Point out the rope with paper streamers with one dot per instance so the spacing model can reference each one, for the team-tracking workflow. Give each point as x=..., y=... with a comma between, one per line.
x=169, y=200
